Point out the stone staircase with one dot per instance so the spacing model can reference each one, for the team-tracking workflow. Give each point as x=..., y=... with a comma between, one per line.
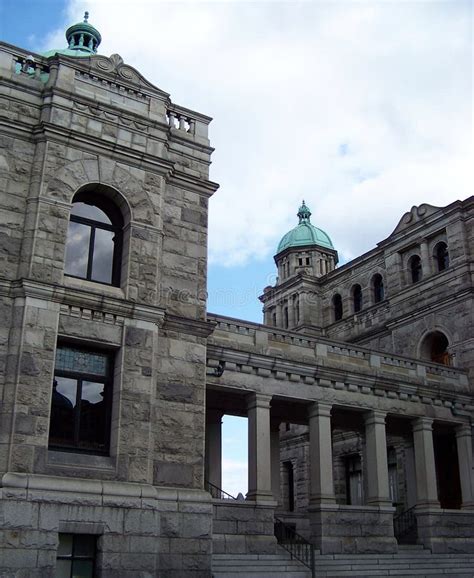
x=279, y=565
x=410, y=562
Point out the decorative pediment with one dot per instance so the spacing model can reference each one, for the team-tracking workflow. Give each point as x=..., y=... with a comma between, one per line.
x=115, y=66
x=415, y=215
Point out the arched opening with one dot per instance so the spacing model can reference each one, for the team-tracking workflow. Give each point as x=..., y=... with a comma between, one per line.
x=414, y=265
x=378, y=288
x=435, y=348
x=441, y=256
x=94, y=239
x=337, y=307
x=357, y=298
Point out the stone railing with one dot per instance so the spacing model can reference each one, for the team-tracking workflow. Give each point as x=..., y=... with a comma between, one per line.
x=271, y=337
x=181, y=120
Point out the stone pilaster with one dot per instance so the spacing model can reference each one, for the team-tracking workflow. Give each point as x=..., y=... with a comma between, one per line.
x=378, y=493
x=464, y=445
x=320, y=451
x=275, y=458
x=426, y=487
x=213, y=462
x=260, y=477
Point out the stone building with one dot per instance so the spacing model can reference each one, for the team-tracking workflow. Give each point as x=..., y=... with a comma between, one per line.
x=114, y=378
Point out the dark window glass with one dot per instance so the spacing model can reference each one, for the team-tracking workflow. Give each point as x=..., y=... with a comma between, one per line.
x=415, y=269
x=379, y=291
x=81, y=400
x=337, y=305
x=354, y=491
x=357, y=298
x=94, y=240
x=285, y=316
x=76, y=556
x=442, y=256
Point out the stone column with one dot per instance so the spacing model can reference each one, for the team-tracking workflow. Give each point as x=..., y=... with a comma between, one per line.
x=376, y=464
x=425, y=259
x=260, y=476
x=275, y=457
x=320, y=452
x=279, y=315
x=291, y=313
x=213, y=462
x=464, y=444
x=426, y=487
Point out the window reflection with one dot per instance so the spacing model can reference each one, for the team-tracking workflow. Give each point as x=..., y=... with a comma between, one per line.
x=80, y=406
x=94, y=240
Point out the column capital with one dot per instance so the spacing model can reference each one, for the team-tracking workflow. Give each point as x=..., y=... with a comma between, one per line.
x=375, y=417
x=422, y=424
x=463, y=429
x=318, y=409
x=259, y=400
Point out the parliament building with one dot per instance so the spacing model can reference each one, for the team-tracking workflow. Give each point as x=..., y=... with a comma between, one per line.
x=114, y=378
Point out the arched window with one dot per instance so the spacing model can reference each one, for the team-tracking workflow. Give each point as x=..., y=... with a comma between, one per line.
x=435, y=348
x=94, y=239
x=416, y=271
x=441, y=256
x=337, y=306
x=357, y=298
x=285, y=316
x=379, y=290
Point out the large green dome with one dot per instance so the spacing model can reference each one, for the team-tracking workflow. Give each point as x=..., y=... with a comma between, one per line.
x=83, y=40
x=304, y=233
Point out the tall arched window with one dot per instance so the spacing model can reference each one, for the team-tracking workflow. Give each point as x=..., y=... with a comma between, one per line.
x=337, y=306
x=357, y=298
x=416, y=271
x=94, y=239
x=378, y=287
x=441, y=256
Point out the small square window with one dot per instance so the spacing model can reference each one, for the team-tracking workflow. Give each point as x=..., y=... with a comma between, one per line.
x=76, y=556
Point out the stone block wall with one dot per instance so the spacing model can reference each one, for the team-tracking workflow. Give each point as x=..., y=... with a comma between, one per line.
x=243, y=528
x=353, y=529
x=446, y=531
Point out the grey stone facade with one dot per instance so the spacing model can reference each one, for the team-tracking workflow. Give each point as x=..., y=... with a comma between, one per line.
x=355, y=386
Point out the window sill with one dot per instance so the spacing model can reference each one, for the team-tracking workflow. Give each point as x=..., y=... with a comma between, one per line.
x=101, y=288
x=59, y=458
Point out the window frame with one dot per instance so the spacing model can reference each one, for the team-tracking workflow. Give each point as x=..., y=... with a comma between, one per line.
x=115, y=216
x=338, y=313
x=441, y=259
x=357, y=298
x=416, y=273
x=80, y=377
x=73, y=558
x=378, y=288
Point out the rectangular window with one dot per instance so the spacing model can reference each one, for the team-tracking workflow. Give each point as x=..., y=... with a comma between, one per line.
x=81, y=400
x=354, y=481
x=76, y=556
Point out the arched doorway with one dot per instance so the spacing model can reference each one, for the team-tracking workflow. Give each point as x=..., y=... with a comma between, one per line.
x=435, y=348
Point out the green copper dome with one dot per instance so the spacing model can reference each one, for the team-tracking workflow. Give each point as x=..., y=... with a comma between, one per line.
x=83, y=40
x=304, y=233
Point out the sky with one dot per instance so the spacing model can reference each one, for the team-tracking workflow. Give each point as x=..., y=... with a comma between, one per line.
x=362, y=108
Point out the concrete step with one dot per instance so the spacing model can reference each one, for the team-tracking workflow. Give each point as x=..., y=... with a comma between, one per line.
x=278, y=565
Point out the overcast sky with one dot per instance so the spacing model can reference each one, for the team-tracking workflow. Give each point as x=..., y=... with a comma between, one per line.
x=363, y=109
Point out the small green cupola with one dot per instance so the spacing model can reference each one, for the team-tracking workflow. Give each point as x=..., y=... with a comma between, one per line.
x=83, y=40
x=305, y=233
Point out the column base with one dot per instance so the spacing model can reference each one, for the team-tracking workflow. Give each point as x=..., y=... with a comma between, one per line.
x=259, y=496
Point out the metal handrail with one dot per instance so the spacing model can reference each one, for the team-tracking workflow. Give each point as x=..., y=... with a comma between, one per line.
x=404, y=523
x=295, y=544
x=218, y=493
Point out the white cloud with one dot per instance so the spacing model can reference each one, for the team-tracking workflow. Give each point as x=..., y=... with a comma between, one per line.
x=290, y=86
x=234, y=476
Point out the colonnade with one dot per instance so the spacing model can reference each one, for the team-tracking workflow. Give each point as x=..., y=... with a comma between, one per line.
x=264, y=463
